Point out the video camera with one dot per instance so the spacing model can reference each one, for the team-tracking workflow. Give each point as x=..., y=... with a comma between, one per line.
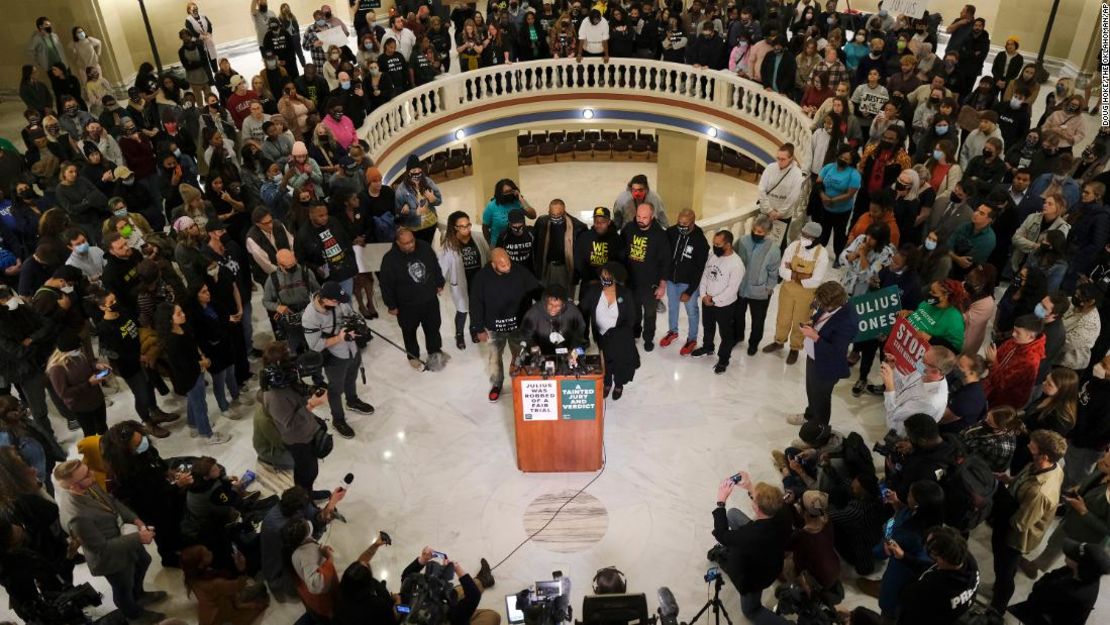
x=68, y=608
x=546, y=603
x=290, y=373
x=430, y=595
x=357, y=326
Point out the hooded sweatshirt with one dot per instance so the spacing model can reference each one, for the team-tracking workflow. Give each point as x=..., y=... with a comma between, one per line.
x=940, y=596
x=689, y=252
x=1014, y=374
x=409, y=280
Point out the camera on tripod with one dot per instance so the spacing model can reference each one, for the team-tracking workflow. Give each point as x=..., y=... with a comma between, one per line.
x=546, y=603
x=68, y=608
x=290, y=373
x=358, y=327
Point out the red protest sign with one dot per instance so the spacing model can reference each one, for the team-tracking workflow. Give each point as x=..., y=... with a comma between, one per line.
x=904, y=345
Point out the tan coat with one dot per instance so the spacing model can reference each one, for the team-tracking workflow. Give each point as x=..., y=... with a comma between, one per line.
x=1037, y=495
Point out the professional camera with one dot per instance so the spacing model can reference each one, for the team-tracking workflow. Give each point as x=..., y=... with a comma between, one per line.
x=884, y=449
x=430, y=595
x=290, y=373
x=357, y=326
x=547, y=603
x=68, y=608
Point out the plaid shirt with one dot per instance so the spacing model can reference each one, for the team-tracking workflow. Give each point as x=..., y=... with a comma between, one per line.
x=997, y=448
x=837, y=72
x=319, y=54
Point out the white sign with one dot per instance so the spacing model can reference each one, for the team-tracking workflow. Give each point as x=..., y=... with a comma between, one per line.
x=332, y=37
x=539, y=400
x=913, y=8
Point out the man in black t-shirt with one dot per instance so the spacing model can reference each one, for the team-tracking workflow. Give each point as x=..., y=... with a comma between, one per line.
x=518, y=239
x=499, y=295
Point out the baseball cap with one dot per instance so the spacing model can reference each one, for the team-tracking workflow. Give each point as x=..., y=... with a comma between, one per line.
x=516, y=216
x=214, y=225
x=69, y=273
x=601, y=211
x=332, y=290
x=235, y=81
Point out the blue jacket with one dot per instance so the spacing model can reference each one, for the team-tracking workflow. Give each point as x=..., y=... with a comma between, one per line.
x=1070, y=189
x=761, y=263
x=831, y=351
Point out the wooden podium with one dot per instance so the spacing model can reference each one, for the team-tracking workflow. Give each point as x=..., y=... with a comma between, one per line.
x=560, y=421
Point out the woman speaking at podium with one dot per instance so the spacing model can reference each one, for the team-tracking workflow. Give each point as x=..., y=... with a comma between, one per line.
x=553, y=324
x=612, y=308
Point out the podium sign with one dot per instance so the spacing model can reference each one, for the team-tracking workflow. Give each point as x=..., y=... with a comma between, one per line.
x=559, y=422
x=578, y=399
x=539, y=400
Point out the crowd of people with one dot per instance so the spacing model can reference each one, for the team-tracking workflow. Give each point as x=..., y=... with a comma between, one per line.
x=138, y=239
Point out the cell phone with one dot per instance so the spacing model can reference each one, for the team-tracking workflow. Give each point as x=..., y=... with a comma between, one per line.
x=439, y=554
x=103, y=373
x=739, y=477
x=884, y=490
x=516, y=617
x=247, y=478
x=403, y=609
x=386, y=540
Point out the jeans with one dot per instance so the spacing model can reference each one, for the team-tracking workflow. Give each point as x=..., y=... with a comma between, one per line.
x=818, y=394
x=342, y=376
x=674, y=292
x=759, y=319
x=348, y=285
x=425, y=315
x=751, y=603
x=127, y=585
x=143, y=392
x=495, y=354
x=720, y=317
x=222, y=379
x=196, y=408
x=306, y=466
x=93, y=421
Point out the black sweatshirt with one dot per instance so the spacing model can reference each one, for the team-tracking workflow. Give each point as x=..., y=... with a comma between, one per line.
x=940, y=597
x=328, y=246
x=755, y=549
x=647, y=253
x=689, y=252
x=410, y=280
x=119, y=341
x=498, y=301
x=592, y=250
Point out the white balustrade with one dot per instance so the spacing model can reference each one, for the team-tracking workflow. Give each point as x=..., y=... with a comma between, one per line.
x=681, y=83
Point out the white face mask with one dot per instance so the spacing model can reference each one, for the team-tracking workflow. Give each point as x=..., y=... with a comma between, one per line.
x=67, y=289
x=1099, y=371
x=13, y=303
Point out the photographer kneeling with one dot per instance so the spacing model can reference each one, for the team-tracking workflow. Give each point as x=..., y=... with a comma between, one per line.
x=753, y=548
x=325, y=326
x=290, y=409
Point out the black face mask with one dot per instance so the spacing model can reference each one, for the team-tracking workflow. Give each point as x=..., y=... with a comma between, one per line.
x=684, y=229
x=28, y=194
x=812, y=244
x=606, y=283
x=558, y=221
x=885, y=145
x=933, y=299
x=718, y=251
x=327, y=15
x=758, y=238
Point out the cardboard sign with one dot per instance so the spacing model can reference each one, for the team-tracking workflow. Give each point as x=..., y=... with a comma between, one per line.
x=913, y=8
x=904, y=345
x=579, y=399
x=539, y=400
x=877, y=311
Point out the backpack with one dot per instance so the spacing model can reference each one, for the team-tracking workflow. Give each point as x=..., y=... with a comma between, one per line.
x=969, y=486
x=857, y=456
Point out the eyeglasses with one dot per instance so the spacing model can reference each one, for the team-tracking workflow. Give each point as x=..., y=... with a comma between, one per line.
x=462, y=226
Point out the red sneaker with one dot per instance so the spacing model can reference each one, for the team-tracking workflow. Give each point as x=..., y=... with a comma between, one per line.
x=494, y=393
x=668, y=339
x=689, y=347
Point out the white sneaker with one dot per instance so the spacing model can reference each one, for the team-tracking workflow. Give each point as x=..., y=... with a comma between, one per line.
x=217, y=438
x=796, y=419
x=230, y=414
x=193, y=433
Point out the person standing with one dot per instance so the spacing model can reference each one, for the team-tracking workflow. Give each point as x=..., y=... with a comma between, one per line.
x=45, y=47
x=1024, y=509
x=837, y=184
x=201, y=27
x=553, y=247
x=324, y=245
x=323, y=324
x=635, y=193
x=76, y=380
x=411, y=281
x=187, y=366
x=260, y=17
x=495, y=216
x=611, y=311
x=720, y=281
x=689, y=252
x=827, y=336
x=291, y=413
x=761, y=261
x=646, y=249
x=286, y=293
x=96, y=519
x=461, y=257
x=802, y=269
x=499, y=295
x=780, y=192
x=518, y=240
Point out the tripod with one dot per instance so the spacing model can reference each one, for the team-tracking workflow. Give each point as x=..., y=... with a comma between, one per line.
x=715, y=603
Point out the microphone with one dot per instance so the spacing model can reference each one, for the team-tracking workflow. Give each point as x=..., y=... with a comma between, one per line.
x=522, y=355
x=343, y=485
x=668, y=607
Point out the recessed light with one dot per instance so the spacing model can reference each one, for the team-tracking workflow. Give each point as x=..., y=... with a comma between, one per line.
x=588, y=113
x=460, y=134
x=711, y=131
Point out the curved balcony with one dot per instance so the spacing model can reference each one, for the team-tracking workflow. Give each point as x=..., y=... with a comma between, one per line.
x=558, y=92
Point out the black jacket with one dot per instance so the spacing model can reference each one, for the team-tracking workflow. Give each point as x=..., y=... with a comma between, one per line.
x=592, y=250
x=498, y=301
x=754, y=550
x=940, y=597
x=923, y=464
x=540, y=244
x=328, y=246
x=537, y=325
x=1013, y=123
x=519, y=247
x=710, y=52
x=1092, y=423
x=1058, y=598
x=647, y=254
x=618, y=345
x=410, y=280
x=688, y=255
x=121, y=277
x=788, y=69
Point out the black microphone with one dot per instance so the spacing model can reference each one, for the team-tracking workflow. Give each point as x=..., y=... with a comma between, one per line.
x=668, y=607
x=347, y=479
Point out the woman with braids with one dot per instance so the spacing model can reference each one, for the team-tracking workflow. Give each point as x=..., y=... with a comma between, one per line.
x=139, y=477
x=939, y=319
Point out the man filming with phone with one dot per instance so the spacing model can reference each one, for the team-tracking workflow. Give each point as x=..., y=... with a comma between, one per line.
x=751, y=549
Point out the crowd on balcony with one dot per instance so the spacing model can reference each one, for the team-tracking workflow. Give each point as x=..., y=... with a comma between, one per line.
x=139, y=235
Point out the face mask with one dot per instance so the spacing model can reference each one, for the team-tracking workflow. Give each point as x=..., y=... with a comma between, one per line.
x=718, y=251
x=919, y=366
x=66, y=289
x=933, y=300
x=277, y=178
x=1099, y=371
x=48, y=29
x=1040, y=311
x=901, y=45
x=321, y=23
x=262, y=8
x=885, y=145
x=212, y=273
x=271, y=64
x=368, y=46
x=558, y=220
x=609, y=282
x=71, y=111
x=414, y=178
x=345, y=84
x=82, y=248
x=639, y=195
x=684, y=229
x=810, y=243
x=327, y=15
x=375, y=71
x=13, y=303
x=1071, y=108
x=129, y=181
x=830, y=20
x=1060, y=89
x=758, y=238
x=338, y=115
x=930, y=244
x=144, y=445
x=841, y=164
x=1015, y=103
x=941, y=130
x=27, y=194
x=126, y=232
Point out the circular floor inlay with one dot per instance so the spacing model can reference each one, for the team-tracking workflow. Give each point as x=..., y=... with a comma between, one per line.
x=580, y=525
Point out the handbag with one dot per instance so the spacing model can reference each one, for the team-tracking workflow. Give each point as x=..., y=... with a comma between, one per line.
x=322, y=440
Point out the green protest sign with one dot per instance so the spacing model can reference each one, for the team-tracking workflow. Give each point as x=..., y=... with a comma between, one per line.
x=877, y=311
x=579, y=399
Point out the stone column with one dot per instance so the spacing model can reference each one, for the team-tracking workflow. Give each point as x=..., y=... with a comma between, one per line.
x=681, y=167
x=495, y=157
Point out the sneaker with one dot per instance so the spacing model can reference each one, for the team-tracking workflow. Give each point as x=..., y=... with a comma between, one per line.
x=720, y=368
x=485, y=575
x=704, y=350
x=415, y=364
x=156, y=430
x=876, y=389
x=618, y=391
x=359, y=406
x=494, y=393
x=217, y=438
x=343, y=429
x=193, y=433
x=792, y=357
x=772, y=348
x=648, y=346
x=859, y=387
x=459, y=342
x=668, y=338
x=752, y=349
x=796, y=419
x=688, y=347
x=151, y=597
